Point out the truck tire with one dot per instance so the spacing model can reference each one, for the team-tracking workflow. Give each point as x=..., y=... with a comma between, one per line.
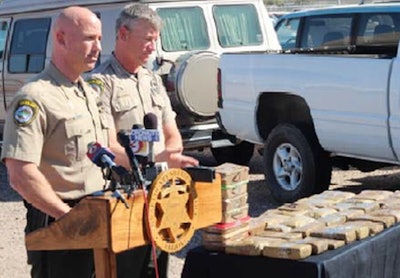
x=239, y=154
x=295, y=167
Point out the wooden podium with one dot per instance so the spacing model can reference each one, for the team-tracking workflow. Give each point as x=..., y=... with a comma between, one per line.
x=107, y=226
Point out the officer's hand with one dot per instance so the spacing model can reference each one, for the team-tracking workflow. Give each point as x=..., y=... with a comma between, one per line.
x=188, y=161
x=179, y=160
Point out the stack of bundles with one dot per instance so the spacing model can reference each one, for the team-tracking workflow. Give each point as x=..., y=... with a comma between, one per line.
x=234, y=224
x=319, y=223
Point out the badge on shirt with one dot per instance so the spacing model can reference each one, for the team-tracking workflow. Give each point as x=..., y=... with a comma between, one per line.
x=154, y=87
x=25, y=112
x=97, y=85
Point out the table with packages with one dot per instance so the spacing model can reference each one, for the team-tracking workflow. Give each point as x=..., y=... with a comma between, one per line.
x=374, y=257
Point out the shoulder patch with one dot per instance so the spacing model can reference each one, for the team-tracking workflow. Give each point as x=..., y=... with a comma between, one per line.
x=25, y=112
x=97, y=85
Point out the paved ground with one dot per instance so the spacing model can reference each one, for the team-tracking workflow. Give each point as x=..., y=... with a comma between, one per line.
x=12, y=219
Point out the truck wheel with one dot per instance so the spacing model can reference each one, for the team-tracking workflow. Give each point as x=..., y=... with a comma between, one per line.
x=294, y=166
x=238, y=154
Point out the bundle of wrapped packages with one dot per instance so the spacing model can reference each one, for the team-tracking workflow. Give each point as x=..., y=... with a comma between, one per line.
x=235, y=220
x=314, y=224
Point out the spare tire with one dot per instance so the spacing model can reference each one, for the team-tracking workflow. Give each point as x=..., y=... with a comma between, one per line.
x=194, y=76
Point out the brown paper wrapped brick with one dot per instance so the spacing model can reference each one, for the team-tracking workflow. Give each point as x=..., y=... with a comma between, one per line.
x=294, y=251
x=307, y=229
x=333, y=219
x=346, y=233
x=374, y=194
x=246, y=247
x=387, y=212
x=335, y=195
x=318, y=245
x=387, y=221
x=374, y=227
x=273, y=234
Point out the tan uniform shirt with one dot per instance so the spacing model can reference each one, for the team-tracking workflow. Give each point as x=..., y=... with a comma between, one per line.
x=127, y=98
x=50, y=123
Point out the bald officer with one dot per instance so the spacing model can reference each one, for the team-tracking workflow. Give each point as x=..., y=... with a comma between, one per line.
x=49, y=125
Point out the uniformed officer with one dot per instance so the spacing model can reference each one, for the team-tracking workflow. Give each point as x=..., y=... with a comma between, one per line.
x=49, y=125
x=128, y=92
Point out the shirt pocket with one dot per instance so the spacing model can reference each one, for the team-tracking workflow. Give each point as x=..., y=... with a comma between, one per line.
x=106, y=122
x=78, y=132
x=123, y=101
x=158, y=101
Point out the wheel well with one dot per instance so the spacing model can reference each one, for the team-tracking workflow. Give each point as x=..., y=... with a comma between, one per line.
x=277, y=108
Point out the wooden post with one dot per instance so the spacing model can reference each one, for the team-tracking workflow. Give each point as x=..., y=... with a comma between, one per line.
x=105, y=263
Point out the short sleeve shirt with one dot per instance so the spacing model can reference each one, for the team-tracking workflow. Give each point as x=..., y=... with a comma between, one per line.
x=50, y=122
x=127, y=98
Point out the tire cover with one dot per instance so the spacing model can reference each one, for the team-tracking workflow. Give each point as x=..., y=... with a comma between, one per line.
x=196, y=83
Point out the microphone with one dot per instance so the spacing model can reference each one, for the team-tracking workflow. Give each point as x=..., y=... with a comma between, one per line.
x=104, y=159
x=139, y=148
x=150, y=123
x=124, y=140
x=100, y=156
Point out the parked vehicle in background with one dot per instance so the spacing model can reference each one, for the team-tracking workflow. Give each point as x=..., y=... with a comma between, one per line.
x=321, y=104
x=275, y=16
x=194, y=35
x=337, y=26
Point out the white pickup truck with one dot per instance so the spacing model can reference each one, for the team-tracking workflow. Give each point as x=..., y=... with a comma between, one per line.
x=331, y=99
x=311, y=112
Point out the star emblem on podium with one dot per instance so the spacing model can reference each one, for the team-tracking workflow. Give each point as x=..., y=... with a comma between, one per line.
x=172, y=209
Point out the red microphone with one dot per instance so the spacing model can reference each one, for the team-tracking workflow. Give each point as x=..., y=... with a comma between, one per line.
x=100, y=156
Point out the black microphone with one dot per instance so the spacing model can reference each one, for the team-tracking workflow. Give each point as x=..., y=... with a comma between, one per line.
x=139, y=148
x=150, y=123
x=125, y=141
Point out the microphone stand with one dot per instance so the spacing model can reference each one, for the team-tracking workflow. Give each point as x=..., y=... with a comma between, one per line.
x=117, y=175
x=114, y=187
x=124, y=140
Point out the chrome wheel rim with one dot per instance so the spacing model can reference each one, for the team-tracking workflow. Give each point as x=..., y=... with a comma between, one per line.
x=287, y=166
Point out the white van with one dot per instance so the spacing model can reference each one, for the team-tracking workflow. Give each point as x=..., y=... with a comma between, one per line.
x=194, y=34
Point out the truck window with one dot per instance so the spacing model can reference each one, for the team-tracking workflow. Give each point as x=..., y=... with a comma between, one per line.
x=237, y=25
x=286, y=31
x=379, y=29
x=184, y=29
x=326, y=30
x=28, y=45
